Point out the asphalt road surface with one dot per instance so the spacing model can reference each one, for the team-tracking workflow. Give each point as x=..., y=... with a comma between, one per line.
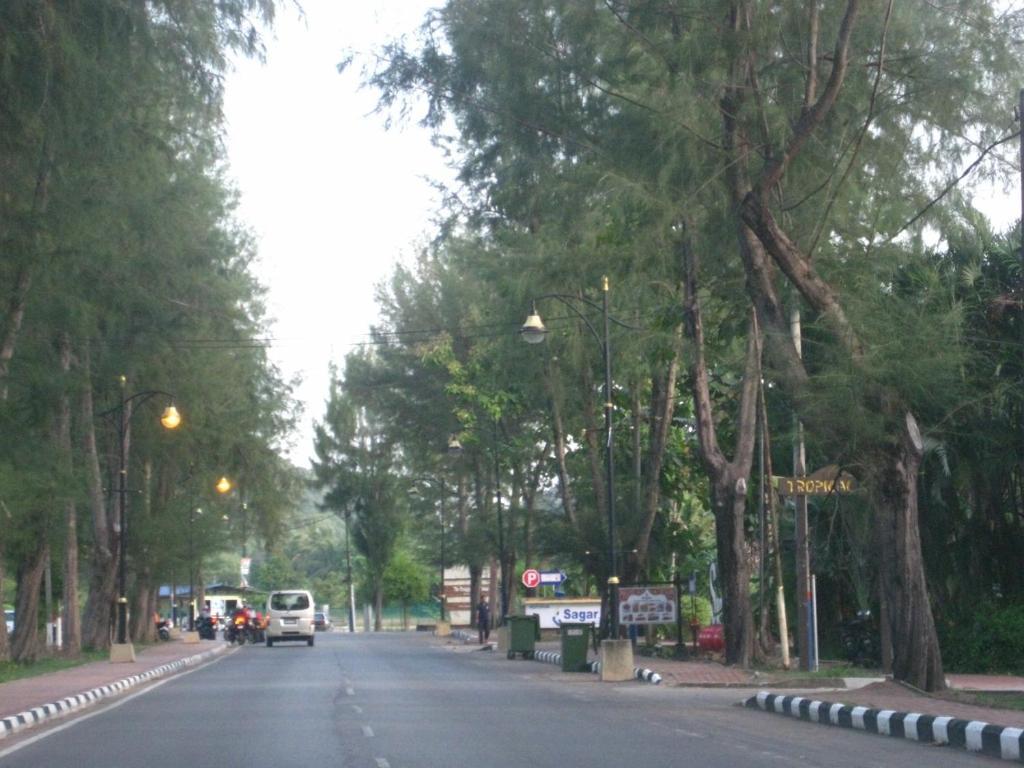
x=401, y=700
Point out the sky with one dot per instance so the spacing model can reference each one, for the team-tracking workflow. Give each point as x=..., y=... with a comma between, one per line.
x=333, y=198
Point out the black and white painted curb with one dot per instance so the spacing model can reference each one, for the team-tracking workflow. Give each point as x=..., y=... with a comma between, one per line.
x=464, y=636
x=972, y=735
x=41, y=714
x=552, y=657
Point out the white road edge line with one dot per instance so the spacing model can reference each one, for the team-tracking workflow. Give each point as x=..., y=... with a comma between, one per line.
x=113, y=705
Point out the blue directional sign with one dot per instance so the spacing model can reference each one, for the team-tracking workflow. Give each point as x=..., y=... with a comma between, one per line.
x=552, y=577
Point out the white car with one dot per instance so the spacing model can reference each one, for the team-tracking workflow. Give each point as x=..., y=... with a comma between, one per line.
x=290, y=616
x=9, y=617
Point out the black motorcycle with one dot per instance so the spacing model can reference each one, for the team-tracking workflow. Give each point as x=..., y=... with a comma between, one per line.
x=860, y=640
x=206, y=628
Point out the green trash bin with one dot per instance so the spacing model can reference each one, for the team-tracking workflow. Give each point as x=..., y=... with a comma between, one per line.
x=523, y=633
x=575, y=642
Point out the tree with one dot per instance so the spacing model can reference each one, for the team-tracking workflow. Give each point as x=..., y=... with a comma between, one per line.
x=406, y=581
x=355, y=466
x=118, y=247
x=684, y=114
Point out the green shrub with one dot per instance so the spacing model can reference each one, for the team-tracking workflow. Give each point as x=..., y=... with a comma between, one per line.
x=990, y=640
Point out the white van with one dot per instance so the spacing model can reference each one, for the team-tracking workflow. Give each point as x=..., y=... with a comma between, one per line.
x=290, y=616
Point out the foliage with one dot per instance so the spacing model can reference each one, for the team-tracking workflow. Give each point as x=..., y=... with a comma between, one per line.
x=405, y=580
x=126, y=278
x=988, y=639
x=277, y=572
x=605, y=139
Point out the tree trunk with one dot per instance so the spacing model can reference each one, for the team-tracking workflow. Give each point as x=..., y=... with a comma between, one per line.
x=71, y=638
x=378, y=607
x=593, y=443
x=558, y=429
x=475, y=572
x=729, y=503
x=916, y=655
x=663, y=400
x=143, y=629
x=728, y=479
x=96, y=622
x=4, y=643
x=26, y=643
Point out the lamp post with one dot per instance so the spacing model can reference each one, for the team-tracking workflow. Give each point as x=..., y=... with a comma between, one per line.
x=170, y=419
x=348, y=575
x=225, y=486
x=192, y=513
x=533, y=332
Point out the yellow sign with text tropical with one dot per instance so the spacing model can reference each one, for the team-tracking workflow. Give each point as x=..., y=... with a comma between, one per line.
x=824, y=482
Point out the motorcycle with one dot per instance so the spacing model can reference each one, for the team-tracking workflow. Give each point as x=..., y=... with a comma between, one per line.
x=240, y=630
x=206, y=627
x=163, y=629
x=859, y=640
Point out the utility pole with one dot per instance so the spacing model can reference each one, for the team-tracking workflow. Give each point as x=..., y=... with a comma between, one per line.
x=803, y=579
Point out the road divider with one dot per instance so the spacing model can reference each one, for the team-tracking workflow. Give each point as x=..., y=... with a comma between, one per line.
x=972, y=735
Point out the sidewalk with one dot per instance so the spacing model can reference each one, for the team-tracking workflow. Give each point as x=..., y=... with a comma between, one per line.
x=32, y=700
x=876, y=705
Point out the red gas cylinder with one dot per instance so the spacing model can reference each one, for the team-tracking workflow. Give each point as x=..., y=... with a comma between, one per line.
x=711, y=638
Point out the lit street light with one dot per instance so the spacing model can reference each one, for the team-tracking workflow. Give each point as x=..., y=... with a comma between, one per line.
x=225, y=486
x=170, y=419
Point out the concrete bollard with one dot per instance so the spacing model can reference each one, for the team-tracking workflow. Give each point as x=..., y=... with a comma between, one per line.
x=616, y=658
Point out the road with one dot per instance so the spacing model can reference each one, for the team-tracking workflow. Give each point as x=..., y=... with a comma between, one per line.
x=401, y=700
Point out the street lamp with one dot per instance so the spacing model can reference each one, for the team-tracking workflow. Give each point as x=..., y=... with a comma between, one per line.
x=170, y=419
x=534, y=332
x=224, y=486
x=351, y=608
x=192, y=513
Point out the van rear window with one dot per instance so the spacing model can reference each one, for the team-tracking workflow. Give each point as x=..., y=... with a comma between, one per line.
x=289, y=601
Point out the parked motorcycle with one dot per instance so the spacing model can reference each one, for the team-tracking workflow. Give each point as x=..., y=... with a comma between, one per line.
x=163, y=629
x=860, y=640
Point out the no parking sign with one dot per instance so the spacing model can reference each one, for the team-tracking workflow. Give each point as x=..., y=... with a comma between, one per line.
x=531, y=578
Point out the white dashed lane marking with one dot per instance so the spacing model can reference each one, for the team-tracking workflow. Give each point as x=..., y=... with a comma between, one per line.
x=367, y=731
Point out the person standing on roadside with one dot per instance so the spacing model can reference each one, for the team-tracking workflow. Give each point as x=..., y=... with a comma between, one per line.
x=483, y=620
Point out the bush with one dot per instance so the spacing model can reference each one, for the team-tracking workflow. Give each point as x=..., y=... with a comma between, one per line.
x=990, y=640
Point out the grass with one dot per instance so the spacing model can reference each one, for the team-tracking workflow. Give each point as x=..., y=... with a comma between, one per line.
x=14, y=670
x=989, y=699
